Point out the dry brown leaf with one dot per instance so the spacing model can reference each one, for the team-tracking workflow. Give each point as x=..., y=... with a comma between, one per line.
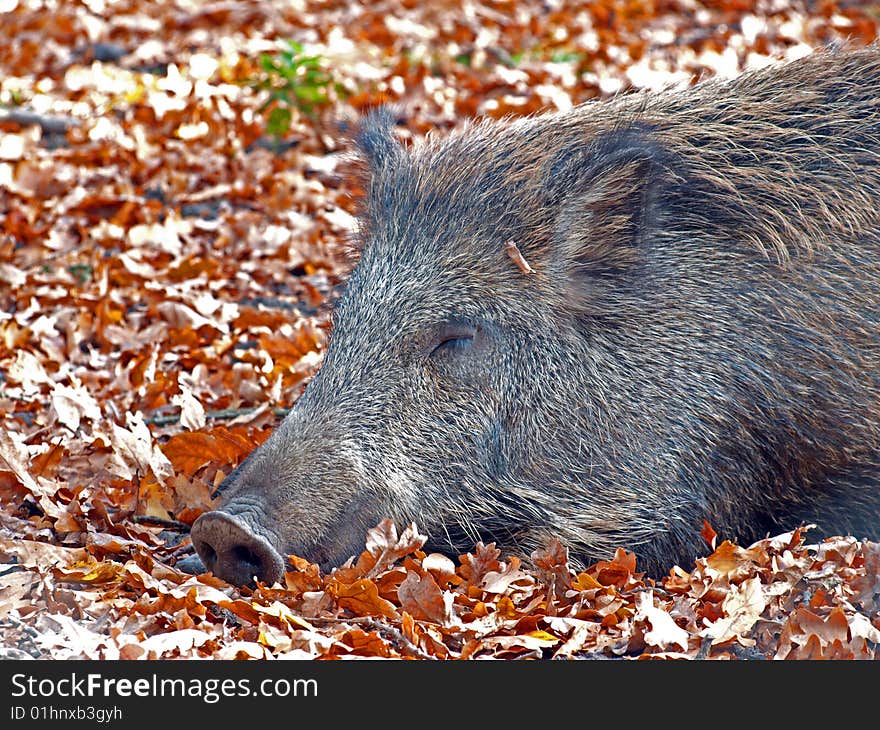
x=474, y=566
x=134, y=450
x=362, y=598
x=421, y=597
x=501, y=581
x=664, y=632
x=742, y=607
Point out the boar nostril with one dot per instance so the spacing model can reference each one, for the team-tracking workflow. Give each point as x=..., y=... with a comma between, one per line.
x=233, y=551
x=248, y=560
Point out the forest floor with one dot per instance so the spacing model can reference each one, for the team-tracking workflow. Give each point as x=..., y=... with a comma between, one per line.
x=176, y=202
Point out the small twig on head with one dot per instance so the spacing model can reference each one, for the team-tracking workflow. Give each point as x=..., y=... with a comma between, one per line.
x=518, y=258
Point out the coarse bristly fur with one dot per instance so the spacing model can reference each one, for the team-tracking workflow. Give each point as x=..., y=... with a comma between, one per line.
x=699, y=338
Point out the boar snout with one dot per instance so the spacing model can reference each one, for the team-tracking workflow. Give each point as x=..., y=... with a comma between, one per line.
x=233, y=551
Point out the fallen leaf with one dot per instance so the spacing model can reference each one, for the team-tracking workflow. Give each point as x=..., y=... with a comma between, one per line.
x=664, y=632
x=421, y=597
x=742, y=607
x=362, y=598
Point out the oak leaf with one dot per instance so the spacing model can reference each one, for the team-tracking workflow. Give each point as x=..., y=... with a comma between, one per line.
x=422, y=598
x=742, y=607
x=664, y=632
x=362, y=598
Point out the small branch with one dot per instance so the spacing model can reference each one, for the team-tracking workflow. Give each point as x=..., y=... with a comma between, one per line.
x=49, y=125
x=159, y=522
x=371, y=623
x=236, y=412
x=39, y=432
x=18, y=398
x=222, y=415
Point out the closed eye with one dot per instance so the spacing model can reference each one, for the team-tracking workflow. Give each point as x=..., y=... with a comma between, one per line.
x=452, y=345
x=453, y=339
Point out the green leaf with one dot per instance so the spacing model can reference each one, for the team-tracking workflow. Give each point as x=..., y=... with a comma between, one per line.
x=268, y=63
x=313, y=94
x=279, y=121
x=294, y=81
x=566, y=56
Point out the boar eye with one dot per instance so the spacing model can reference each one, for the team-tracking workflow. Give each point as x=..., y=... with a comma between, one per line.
x=451, y=338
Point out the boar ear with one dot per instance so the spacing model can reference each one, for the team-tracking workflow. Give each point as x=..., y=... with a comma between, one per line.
x=375, y=137
x=610, y=206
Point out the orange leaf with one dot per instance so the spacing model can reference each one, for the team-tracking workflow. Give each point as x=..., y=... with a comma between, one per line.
x=729, y=558
x=616, y=572
x=422, y=598
x=500, y=581
x=442, y=568
x=367, y=644
x=708, y=534
x=46, y=464
x=833, y=627
x=89, y=572
x=305, y=576
x=362, y=598
x=382, y=543
x=252, y=317
x=585, y=582
x=551, y=562
x=189, y=451
x=723, y=559
x=475, y=565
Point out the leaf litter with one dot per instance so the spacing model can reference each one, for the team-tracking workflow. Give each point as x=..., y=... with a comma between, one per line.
x=167, y=269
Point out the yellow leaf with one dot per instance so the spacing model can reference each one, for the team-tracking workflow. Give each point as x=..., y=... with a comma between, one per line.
x=585, y=582
x=543, y=636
